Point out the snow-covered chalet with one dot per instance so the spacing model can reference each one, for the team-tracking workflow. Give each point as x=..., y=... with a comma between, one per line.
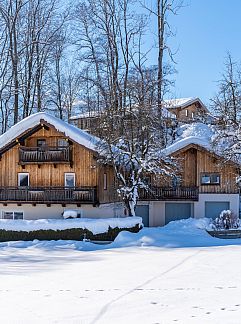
x=49, y=166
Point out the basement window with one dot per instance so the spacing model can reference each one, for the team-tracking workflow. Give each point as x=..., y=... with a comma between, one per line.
x=210, y=179
x=14, y=215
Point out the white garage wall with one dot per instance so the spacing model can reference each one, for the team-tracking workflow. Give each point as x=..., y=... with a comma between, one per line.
x=199, y=206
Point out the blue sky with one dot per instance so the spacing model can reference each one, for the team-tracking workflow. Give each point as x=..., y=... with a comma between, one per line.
x=205, y=31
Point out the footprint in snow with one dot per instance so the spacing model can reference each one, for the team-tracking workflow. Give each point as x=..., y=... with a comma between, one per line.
x=179, y=288
x=153, y=303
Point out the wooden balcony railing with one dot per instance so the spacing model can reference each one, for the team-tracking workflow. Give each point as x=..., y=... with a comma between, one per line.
x=54, y=154
x=49, y=195
x=170, y=193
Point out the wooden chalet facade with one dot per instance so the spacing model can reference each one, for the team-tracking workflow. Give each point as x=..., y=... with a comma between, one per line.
x=186, y=109
x=48, y=166
x=203, y=187
x=52, y=164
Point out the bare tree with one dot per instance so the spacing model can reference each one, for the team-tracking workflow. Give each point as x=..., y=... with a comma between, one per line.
x=227, y=102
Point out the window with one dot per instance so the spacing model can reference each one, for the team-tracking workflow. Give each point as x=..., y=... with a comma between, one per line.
x=186, y=113
x=41, y=142
x=69, y=180
x=23, y=179
x=12, y=215
x=62, y=142
x=210, y=179
x=105, y=181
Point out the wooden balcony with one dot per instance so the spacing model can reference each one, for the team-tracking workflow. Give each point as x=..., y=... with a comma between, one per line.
x=170, y=193
x=48, y=154
x=49, y=195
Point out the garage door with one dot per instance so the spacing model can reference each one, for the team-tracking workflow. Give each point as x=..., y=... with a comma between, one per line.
x=214, y=208
x=143, y=211
x=176, y=211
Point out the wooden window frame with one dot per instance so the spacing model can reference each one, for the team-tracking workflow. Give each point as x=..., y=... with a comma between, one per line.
x=66, y=174
x=23, y=173
x=210, y=174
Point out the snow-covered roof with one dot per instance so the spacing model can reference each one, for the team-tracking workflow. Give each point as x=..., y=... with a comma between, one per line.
x=182, y=103
x=86, y=114
x=192, y=140
x=191, y=134
x=81, y=137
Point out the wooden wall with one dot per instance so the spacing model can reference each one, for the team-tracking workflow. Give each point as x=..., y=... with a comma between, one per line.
x=195, y=161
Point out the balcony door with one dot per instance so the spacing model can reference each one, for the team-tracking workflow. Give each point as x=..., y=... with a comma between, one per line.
x=69, y=180
x=23, y=179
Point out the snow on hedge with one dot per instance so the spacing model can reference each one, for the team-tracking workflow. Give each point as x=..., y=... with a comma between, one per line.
x=96, y=226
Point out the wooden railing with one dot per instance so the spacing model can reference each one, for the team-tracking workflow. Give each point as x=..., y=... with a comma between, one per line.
x=53, y=154
x=170, y=193
x=49, y=194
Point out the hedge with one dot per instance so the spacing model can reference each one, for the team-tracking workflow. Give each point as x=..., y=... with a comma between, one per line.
x=76, y=234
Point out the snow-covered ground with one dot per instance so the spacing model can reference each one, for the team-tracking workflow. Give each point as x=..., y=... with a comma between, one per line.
x=174, y=274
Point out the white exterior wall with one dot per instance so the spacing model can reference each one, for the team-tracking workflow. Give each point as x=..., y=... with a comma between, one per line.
x=157, y=208
x=55, y=211
x=199, y=206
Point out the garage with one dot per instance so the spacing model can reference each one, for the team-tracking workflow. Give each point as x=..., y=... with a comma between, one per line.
x=143, y=211
x=214, y=208
x=177, y=211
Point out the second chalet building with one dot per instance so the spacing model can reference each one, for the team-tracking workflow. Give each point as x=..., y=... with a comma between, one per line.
x=48, y=166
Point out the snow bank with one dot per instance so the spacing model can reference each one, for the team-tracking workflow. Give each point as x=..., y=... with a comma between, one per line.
x=96, y=226
x=179, y=234
x=183, y=233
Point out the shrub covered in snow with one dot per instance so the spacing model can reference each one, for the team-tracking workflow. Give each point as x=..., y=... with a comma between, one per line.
x=226, y=220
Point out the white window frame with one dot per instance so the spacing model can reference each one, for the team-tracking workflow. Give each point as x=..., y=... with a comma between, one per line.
x=105, y=181
x=13, y=212
x=23, y=173
x=66, y=174
x=208, y=176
